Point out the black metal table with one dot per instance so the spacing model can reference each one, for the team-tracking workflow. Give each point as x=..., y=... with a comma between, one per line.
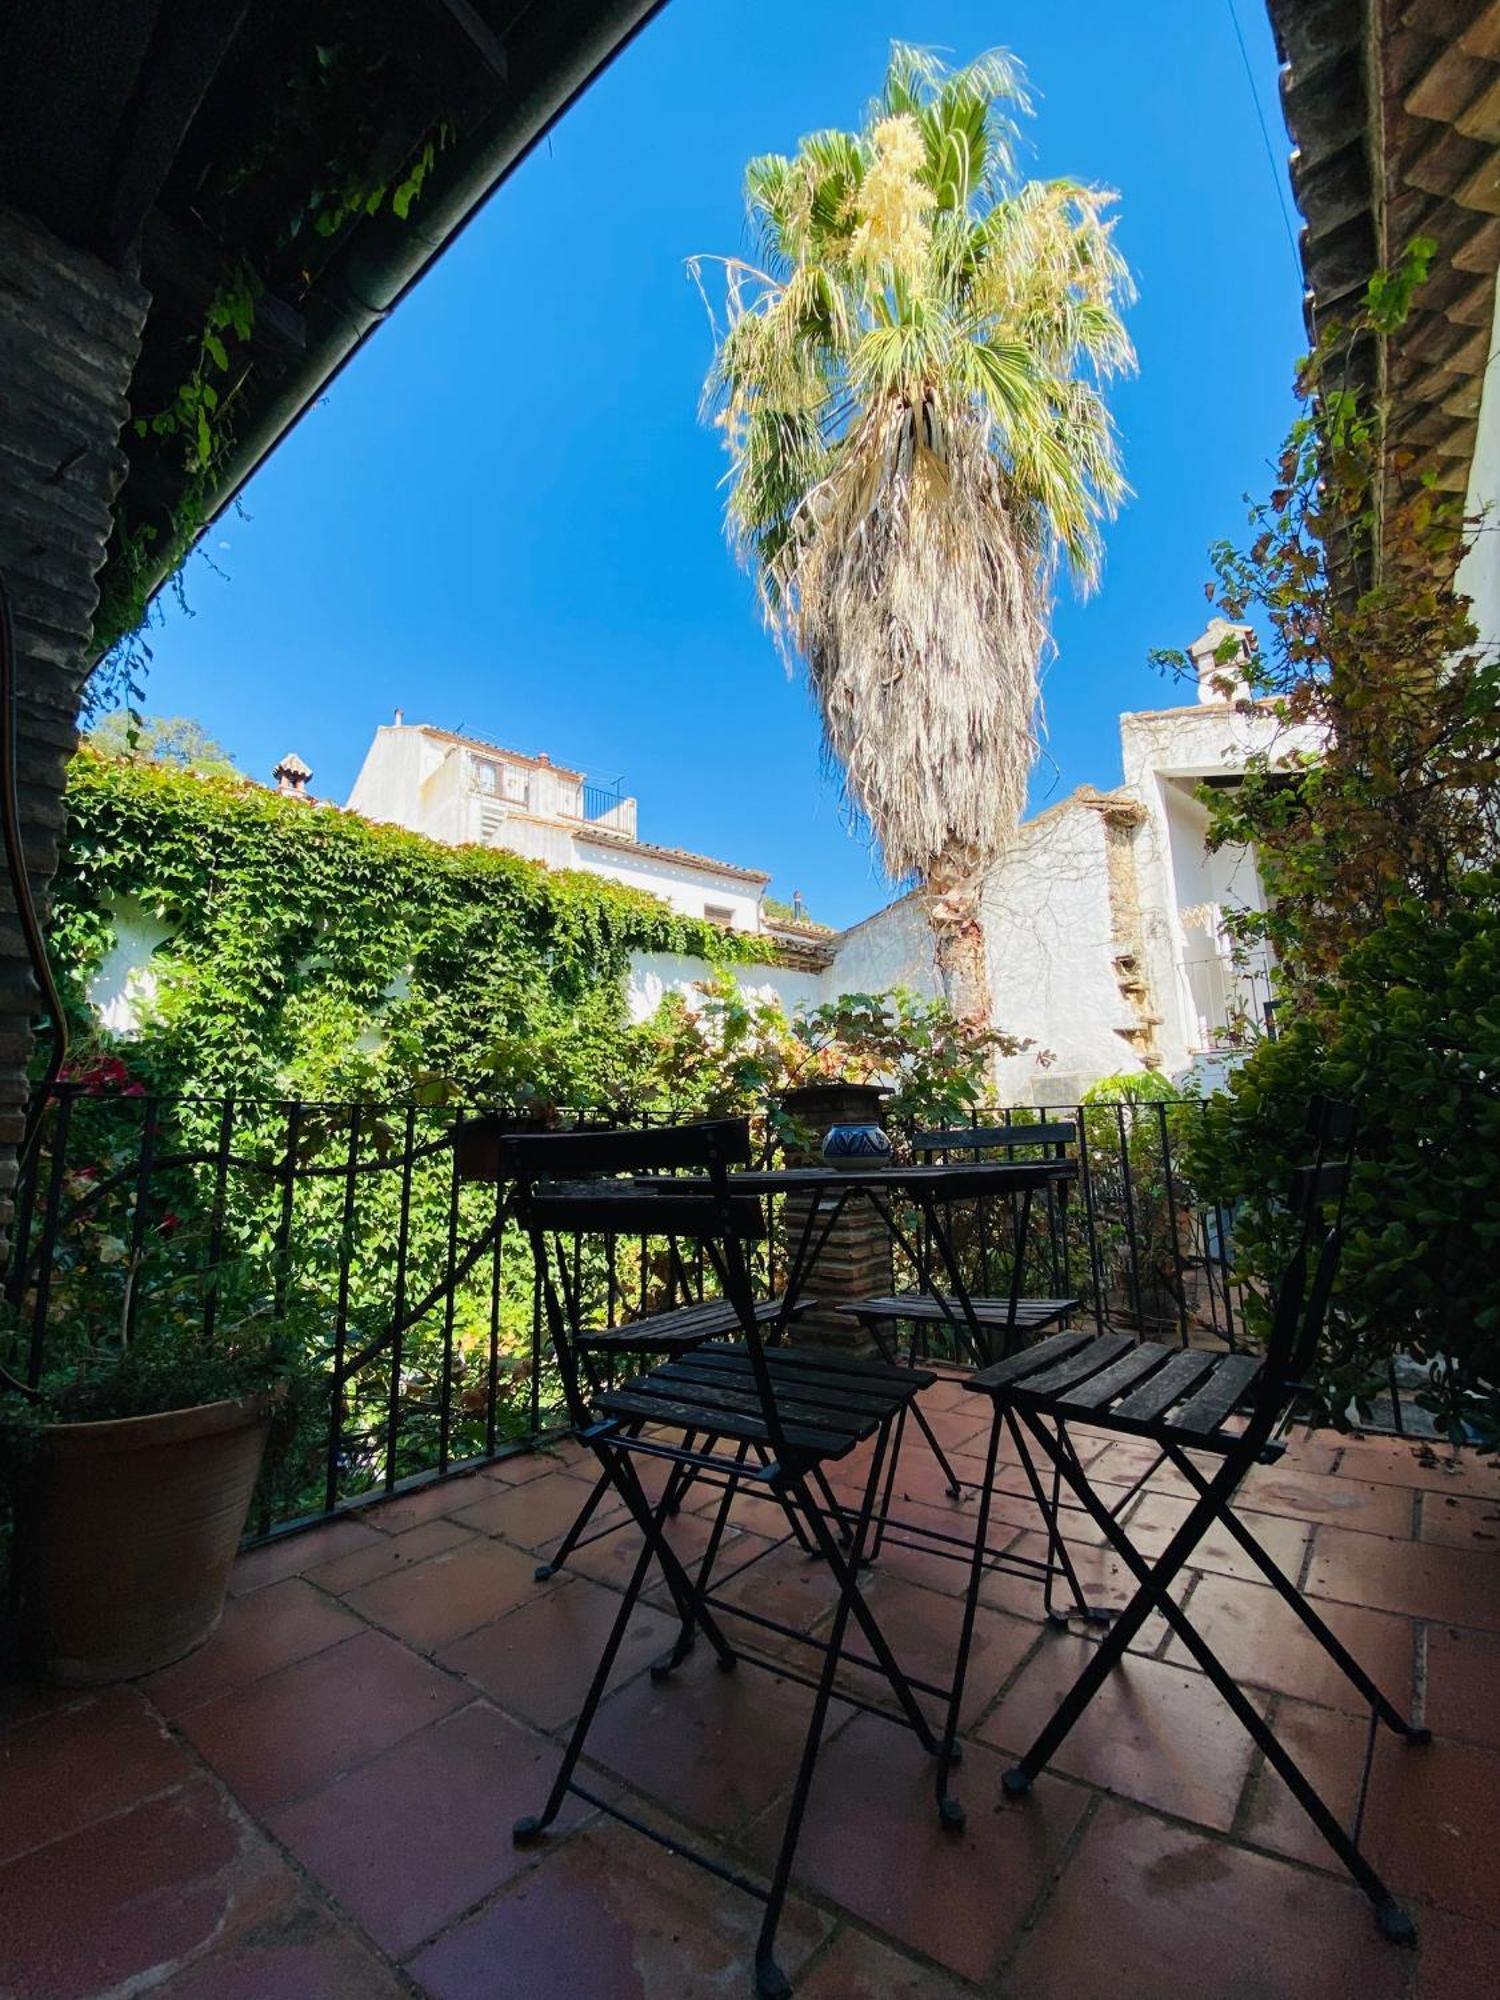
x=931, y=1188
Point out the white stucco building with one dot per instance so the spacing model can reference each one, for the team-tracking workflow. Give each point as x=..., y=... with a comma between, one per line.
x=1104, y=917
x=463, y=790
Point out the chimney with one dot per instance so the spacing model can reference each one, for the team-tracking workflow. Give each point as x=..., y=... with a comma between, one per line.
x=292, y=776
x=1221, y=667
x=400, y=717
x=542, y=757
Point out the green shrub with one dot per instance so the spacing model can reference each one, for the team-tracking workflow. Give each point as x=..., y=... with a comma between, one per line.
x=1410, y=1035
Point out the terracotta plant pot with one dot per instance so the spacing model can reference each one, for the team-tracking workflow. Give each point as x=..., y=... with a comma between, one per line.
x=127, y=1533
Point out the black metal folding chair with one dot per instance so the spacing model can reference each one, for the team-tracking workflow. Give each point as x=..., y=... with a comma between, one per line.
x=602, y=1351
x=1002, y=1321
x=741, y=1413
x=1005, y=1319
x=1232, y=1406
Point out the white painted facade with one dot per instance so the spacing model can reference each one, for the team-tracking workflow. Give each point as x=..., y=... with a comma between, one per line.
x=653, y=975
x=463, y=791
x=1479, y=573
x=1103, y=919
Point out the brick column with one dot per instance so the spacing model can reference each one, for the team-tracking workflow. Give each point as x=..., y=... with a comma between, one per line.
x=70, y=331
x=855, y=1263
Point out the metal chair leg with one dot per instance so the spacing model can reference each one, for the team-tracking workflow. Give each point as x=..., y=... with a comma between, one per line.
x=1057, y=1548
x=771, y=1983
x=950, y=1811
x=532, y=1826
x=1336, y=1650
x=919, y=1417
x=1155, y=1580
x=545, y=1571
x=844, y=1564
x=670, y=1661
x=890, y=1484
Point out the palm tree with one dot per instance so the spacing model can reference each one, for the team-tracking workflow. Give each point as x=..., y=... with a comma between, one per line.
x=909, y=386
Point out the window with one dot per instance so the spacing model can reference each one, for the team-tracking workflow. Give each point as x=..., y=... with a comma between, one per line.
x=515, y=784
x=717, y=914
x=484, y=775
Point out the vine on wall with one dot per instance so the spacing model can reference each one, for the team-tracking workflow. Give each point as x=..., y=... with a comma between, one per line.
x=315, y=954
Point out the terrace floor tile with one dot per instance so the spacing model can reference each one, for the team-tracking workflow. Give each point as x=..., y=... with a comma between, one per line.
x=1433, y=1468
x=1422, y=1579
x=537, y=1661
x=313, y=1809
x=386, y=1556
x=1147, y=1909
x=439, y=1599
x=537, y=1515
x=136, y=1896
x=298, y=1728
x=872, y=1842
x=1433, y=1824
x=64, y=1770
x=1263, y=1644
x=290, y=1555
x=1156, y=1733
x=420, y=1834
x=858, y=1967
x=712, y=1748
x=1156, y=1517
x=271, y=1628
x=1461, y=1521
x=608, y=1914
x=1463, y=1684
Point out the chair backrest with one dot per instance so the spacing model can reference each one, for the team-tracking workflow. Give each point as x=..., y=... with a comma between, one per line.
x=701, y=1209
x=978, y=1139
x=558, y=1156
x=1306, y=1285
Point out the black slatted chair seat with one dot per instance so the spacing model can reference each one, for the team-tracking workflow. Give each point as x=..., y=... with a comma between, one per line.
x=1031, y=1314
x=684, y=1327
x=1141, y=1387
x=1186, y=1401
x=827, y=1403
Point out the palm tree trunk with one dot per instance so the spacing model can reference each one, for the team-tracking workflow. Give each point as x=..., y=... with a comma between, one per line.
x=963, y=962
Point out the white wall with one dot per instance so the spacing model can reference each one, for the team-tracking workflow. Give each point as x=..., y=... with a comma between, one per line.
x=123, y=988
x=655, y=974
x=686, y=888
x=892, y=948
x=1479, y=573
x=1157, y=747
x=1050, y=934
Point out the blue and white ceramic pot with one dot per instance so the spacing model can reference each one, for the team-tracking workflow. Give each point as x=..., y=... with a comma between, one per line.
x=844, y=1143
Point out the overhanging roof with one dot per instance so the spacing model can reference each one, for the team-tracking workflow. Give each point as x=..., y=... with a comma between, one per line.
x=1394, y=108
x=194, y=139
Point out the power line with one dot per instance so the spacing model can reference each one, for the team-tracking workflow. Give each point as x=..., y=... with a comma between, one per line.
x=1277, y=173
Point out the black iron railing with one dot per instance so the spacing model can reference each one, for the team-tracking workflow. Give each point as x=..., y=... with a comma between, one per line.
x=1133, y=1238
x=413, y=1294
x=599, y=801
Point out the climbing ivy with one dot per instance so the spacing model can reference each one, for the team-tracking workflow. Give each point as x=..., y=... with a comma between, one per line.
x=314, y=954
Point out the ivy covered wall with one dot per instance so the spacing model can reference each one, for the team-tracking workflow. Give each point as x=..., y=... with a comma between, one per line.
x=311, y=953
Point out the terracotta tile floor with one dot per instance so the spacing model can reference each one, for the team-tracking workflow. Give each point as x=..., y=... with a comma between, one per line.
x=317, y=1806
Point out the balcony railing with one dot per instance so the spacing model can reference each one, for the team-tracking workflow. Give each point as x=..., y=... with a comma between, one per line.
x=601, y=801
x=417, y=1293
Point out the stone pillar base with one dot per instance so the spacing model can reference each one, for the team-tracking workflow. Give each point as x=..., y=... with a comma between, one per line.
x=855, y=1262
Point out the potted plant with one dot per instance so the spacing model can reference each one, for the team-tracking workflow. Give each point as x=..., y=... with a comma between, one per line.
x=131, y=1468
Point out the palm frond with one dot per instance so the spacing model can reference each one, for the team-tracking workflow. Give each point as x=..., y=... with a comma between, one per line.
x=910, y=387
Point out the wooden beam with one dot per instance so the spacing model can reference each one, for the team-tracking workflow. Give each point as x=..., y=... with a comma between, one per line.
x=191, y=40
x=481, y=36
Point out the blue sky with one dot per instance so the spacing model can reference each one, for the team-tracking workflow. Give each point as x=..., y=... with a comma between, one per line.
x=506, y=516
